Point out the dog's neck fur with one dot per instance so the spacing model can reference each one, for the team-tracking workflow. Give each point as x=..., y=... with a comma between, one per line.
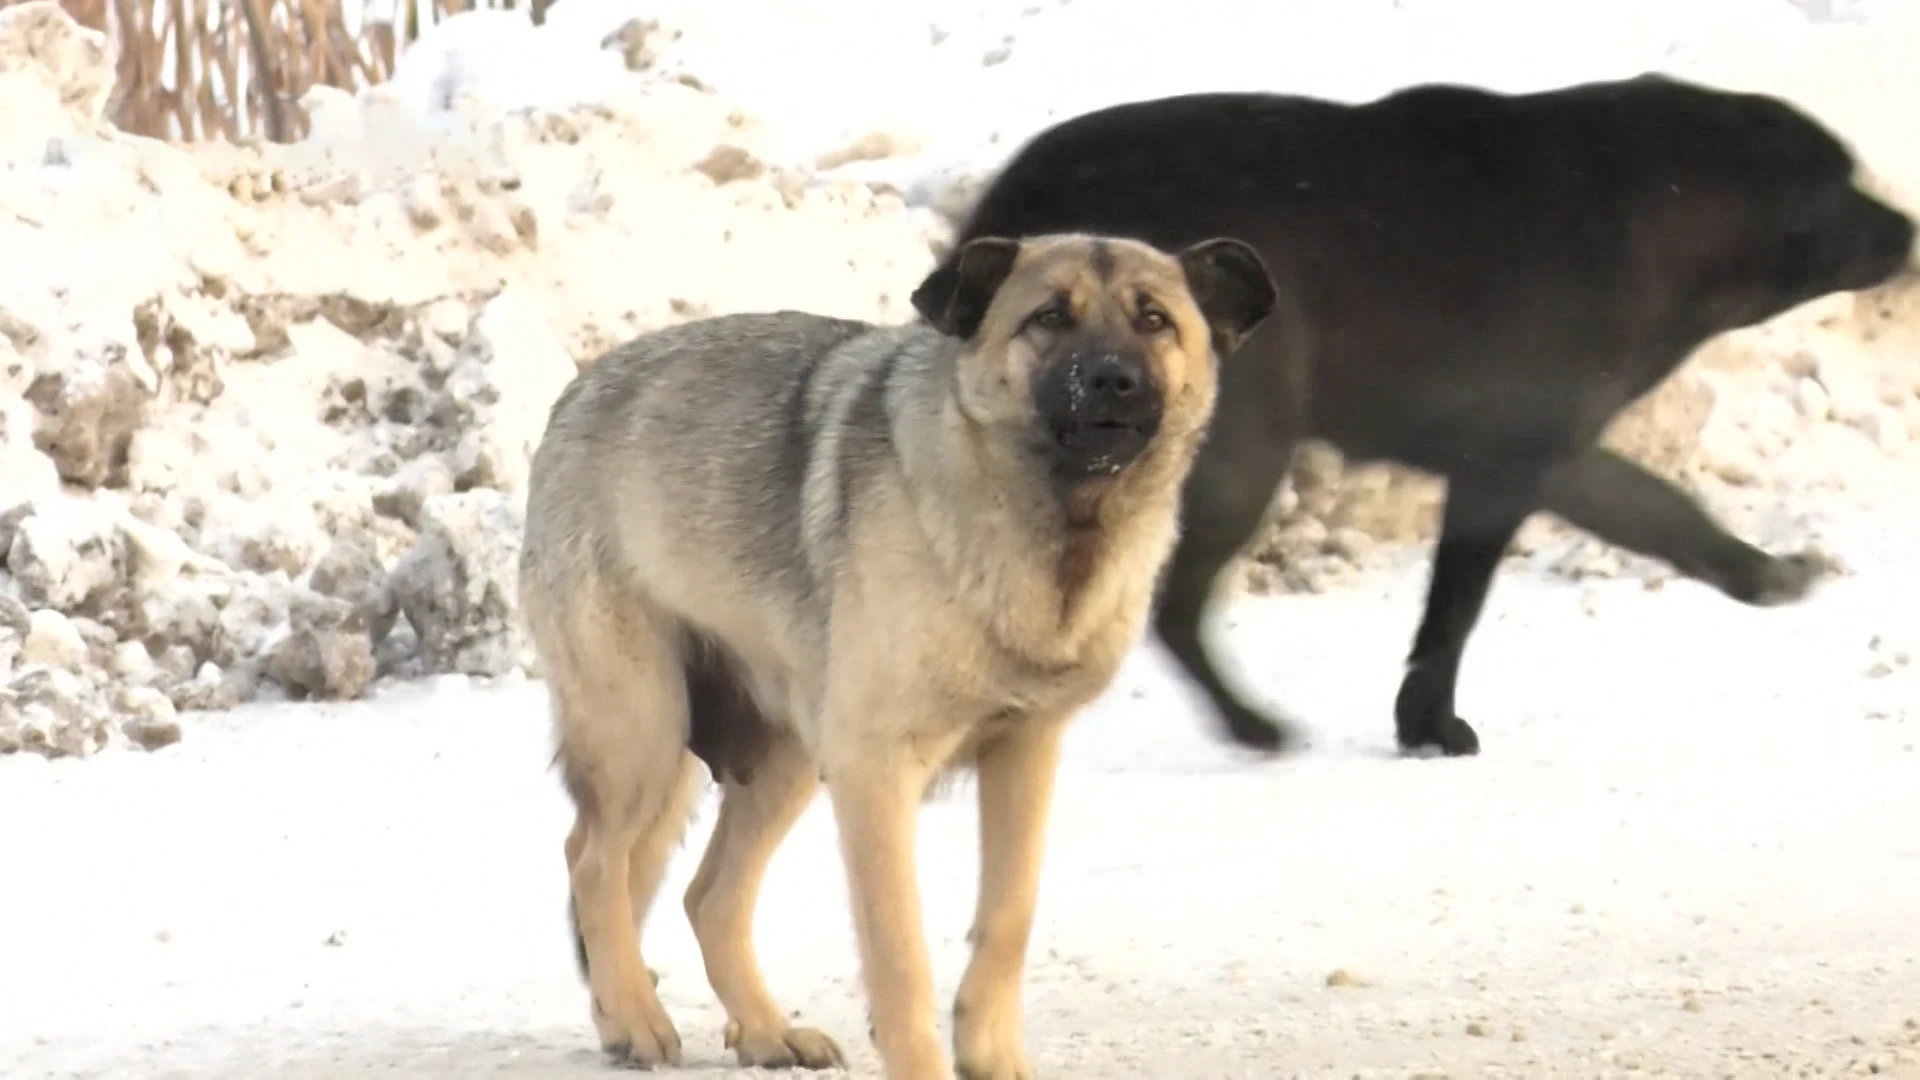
x=1094, y=547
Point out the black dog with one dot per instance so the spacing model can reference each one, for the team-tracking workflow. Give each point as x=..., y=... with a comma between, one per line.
x=1482, y=283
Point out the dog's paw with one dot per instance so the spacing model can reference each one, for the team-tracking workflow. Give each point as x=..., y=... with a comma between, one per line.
x=647, y=1050
x=1448, y=736
x=988, y=1043
x=794, y=1048
x=1424, y=720
x=1258, y=732
x=1456, y=738
x=645, y=1040
x=1786, y=579
x=1424, y=727
x=990, y=1055
x=1016, y=1069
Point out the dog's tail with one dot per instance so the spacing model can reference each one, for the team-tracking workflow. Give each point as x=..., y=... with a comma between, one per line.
x=579, y=941
x=580, y=946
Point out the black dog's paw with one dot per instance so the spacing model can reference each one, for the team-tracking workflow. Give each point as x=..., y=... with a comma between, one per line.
x=1451, y=736
x=1258, y=732
x=1785, y=579
x=1423, y=719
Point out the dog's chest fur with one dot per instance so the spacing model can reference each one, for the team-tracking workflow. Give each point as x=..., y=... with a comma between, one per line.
x=990, y=635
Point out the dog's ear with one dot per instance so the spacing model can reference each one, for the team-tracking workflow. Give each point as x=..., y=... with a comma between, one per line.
x=954, y=298
x=1232, y=286
x=930, y=296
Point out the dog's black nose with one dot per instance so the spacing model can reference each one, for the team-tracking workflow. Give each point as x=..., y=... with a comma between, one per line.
x=1098, y=408
x=1112, y=377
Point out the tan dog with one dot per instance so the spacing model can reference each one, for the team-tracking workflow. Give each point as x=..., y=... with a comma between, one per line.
x=803, y=549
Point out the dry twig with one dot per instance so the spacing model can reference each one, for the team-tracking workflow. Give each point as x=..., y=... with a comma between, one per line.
x=189, y=70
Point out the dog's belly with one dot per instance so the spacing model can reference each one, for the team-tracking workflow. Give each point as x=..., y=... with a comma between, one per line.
x=1465, y=422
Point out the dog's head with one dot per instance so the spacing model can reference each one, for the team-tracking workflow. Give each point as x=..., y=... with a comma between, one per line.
x=1756, y=205
x=1096, y=346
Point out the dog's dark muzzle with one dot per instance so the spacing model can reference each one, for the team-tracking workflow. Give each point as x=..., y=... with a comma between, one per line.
x=1874, y=243
x=1098, y=409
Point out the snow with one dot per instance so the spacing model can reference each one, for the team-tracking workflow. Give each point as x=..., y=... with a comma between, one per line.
x=1690, y=845
x=822, y=73
x=1689, y=848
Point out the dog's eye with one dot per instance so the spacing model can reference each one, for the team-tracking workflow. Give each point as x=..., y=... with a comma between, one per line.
x=1150, y=322
x=1052, y=319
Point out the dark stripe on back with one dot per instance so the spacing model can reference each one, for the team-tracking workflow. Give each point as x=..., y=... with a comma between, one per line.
x=798, y=437
x=866, y=433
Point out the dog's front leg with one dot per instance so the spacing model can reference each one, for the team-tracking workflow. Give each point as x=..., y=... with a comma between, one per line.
x=876, y=796
x=1016, y=789
x=1624, y=504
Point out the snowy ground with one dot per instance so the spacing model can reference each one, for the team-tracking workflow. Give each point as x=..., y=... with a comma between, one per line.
x=1690, y=848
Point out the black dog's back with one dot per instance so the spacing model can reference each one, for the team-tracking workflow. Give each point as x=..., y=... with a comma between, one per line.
x=1437, y=237
x=1448, y=242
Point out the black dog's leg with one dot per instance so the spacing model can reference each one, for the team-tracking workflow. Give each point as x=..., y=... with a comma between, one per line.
x=1480, y=518
x=1629, y=507
x=1189, y=582
x=1223, y=503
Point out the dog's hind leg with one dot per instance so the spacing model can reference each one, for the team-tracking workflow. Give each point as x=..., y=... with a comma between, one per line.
x=1625, y=505
x=1482, y=515
x=621, y=703
x=754, y=818
x=1016, y=791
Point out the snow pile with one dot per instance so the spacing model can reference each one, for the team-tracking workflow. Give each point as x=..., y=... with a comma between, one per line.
x=265, y=412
